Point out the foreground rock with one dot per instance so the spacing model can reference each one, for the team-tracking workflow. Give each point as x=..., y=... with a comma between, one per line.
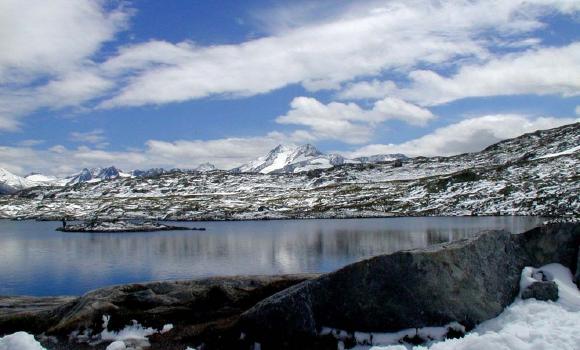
x=467, y=281
x=200, y=310
x=122, y=226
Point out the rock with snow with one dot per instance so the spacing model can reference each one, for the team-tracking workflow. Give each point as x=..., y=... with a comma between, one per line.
x=541, y=290
x=148, y=173
x=11, y=183
x=467, y=281
x=95, y=175
x=209, y=307
x=297, y=159
x=505, y=179
x=121, y=226
x=380, y=158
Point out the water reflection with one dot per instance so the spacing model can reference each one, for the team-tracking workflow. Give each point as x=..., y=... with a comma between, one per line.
x=36, y=260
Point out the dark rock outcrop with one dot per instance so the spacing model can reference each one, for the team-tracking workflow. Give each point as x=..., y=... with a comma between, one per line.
x=467, y=281
x=541, y=290
x=200, y=310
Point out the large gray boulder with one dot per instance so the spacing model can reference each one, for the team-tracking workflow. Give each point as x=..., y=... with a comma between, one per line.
x=467, y=281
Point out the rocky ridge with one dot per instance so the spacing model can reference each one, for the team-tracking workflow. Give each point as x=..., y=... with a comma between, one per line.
x=534, y=174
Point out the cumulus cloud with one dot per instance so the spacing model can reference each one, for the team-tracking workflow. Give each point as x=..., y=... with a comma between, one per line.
x=468, y=135
x=348, y=122
x=396, y=35
x=95, y=137
x=45, y=54
x=540, y=71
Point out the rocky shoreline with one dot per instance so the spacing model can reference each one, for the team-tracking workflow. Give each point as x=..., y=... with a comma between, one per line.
x=464, y=282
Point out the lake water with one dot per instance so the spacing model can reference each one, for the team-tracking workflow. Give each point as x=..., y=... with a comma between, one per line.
x=37, y=260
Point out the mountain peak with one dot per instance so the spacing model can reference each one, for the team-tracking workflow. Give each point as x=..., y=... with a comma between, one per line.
x=205, y=167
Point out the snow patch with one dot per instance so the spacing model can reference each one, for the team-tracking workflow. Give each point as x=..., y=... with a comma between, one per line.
x=134, y=336
x=19, y=341
x=525, y=324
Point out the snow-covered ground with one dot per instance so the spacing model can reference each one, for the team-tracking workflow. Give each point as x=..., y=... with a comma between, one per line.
x=524, y=325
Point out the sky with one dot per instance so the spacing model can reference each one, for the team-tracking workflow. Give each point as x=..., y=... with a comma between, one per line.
x=176, y=83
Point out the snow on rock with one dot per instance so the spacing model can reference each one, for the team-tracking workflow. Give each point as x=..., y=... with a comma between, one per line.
x=19, y=341
x=133, y=336
x=525, y=324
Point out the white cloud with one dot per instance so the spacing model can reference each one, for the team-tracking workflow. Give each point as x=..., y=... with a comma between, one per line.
x=49, y=37
x=95, y=137
x=45, y=54
x=30, y=142
x=397, y=35
x=469, y=135
x=60, y=160
x=347, y=122
x=577, y=110
x=374, y=89
x=539, y=71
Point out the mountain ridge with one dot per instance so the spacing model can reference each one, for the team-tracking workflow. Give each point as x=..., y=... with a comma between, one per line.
x=521, y=176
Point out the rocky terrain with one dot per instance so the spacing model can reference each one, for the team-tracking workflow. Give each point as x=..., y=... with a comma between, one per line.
x=452, y=287
x=121, y=226
x=534, y=174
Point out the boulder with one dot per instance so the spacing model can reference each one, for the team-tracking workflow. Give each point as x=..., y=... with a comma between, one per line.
x=541, y=290
x=197, y=308
x=467, y=281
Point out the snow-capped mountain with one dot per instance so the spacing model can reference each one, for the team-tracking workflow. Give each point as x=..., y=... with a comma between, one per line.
x=95, y=174
x=148, y=173
x=534, y=174
x=11, y=183
x=282, y=157
x=205, y=167
x=297, y=159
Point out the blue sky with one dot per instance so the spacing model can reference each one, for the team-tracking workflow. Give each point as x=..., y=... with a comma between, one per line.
x=141, y=84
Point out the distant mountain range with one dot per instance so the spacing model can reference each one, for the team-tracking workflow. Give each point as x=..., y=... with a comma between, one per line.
x=534, y=174
x=281, y=159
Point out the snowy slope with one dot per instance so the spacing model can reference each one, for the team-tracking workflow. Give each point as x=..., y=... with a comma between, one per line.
x=10, y=183
x=510, y=178
x=296, y=159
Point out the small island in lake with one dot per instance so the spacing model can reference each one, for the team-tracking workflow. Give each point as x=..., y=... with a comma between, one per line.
x=122, y=226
